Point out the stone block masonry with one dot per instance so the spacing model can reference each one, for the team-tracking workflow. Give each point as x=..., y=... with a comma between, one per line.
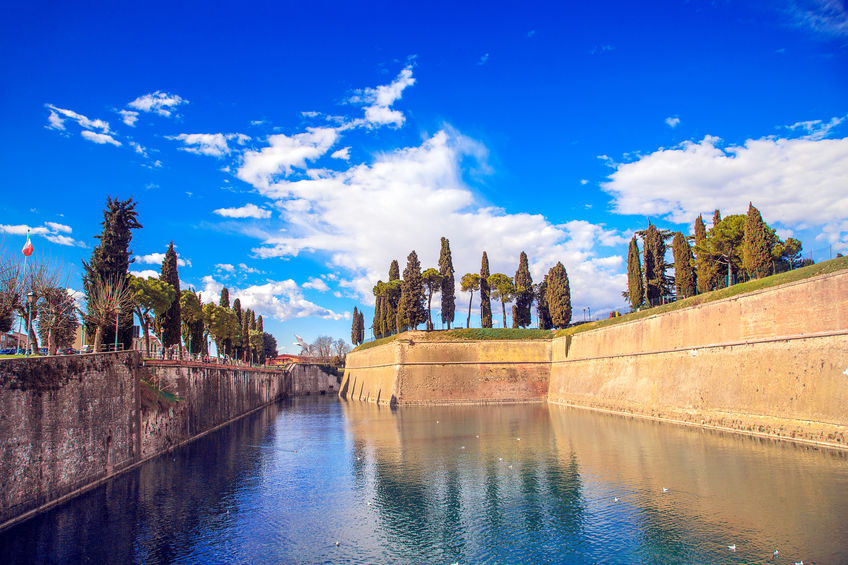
x=69, y=423
x=773, y=362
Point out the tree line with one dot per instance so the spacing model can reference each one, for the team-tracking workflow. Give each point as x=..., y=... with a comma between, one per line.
x=737, y=247
x=113, y=295
x=400, y=302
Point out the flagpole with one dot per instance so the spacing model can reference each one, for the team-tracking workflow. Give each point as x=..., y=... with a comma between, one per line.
x=27, y=251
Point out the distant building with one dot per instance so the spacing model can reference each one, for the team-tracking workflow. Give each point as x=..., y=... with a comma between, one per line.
x=286, y=358
x=12, y=339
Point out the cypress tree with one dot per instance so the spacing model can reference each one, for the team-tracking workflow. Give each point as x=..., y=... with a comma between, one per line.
x=485, y=302
x=657, y=284
x=558, y=296
x=545, y=322
x=756, y=253
x=684, y=275
x=635, y=288
x=260, y=327
x=523, y=293
x=170, y=323
x=392, y=297
x=245, y=335
x=110, y=261
x=716, y=218
x=703, y=269
x=411, y=311
x=252, y=320
x=236, y=342
x=223, y=345
x=354, y=327
x=378, y=309
x=448, y=286
x=225, y=298
x=394, y=271
x=361, y=327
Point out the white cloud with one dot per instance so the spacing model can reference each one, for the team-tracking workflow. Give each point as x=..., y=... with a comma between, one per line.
x=99, y=138
x=147, y=273
x=283, y=153
x=58, y=122
x=246, y=211
x=361, y=218
x=51, y=231
x=584, y=182
x=245, y=269
x=282, y=300
x=816, y=129
x=343, y=153
x=378, y=112
x=225, y=267
x=213, y=144
x=672, y=121
x=59, y=228
x=129, y=117
x=158, y=258
x=828, y=17
x=138, y=149
x=316, y=284
x=157, y=102
x=795, y=182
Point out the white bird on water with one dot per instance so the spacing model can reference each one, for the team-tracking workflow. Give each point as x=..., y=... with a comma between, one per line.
x=800, y=562
x=732, y=547
x=616, y=499
x=776, y=553
x=665, y=489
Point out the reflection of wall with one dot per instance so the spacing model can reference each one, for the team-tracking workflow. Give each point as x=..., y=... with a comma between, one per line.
x=767, y=362
x=732, y=483
x=70, y=422
x=66, y=422
x=407, y=371
x=772, y=362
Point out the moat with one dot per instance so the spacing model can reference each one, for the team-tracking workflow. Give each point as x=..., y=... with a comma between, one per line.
x=318, y=480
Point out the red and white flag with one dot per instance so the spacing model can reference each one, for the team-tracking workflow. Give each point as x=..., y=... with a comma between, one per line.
x=28, y=249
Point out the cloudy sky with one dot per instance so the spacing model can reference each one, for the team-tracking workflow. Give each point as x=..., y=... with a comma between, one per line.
x=291, y=151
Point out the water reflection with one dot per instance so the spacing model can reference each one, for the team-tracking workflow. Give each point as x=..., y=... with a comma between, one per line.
x=316, y=480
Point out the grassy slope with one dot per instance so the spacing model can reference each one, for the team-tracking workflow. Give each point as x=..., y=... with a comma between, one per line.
x=822, y=268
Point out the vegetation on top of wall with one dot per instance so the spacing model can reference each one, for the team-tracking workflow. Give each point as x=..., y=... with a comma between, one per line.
x=823, y=268
x=473, y=334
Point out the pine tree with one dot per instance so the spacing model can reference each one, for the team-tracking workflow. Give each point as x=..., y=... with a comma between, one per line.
x=545, y=322
x=756, y=254
x=703, y=269
x=354, y=327
x=635, y=288
x=469, y=283
x=110, y=261
x=502, y=289
x=411, y=306
x=684, y=275
x=485, y=302
x=448, y=286
x=170, y=322
x=558, y=296
x=523, y=293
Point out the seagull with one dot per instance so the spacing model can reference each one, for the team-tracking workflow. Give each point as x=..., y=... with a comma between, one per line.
x=616, y=499
x=518, y=439
x=437, y=421
x=732, y=547
x=500, y=458
x=463, y=447
x=337, y=543
x=665, y=489
x=800, y=562
x=510, y=466
x=477, y=436
x=775, y=554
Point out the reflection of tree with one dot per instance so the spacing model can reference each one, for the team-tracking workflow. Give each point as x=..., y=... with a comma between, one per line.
x=568, y=507
x=451, y=531
x=402, y=500
x=530, y=489
x=494, y=513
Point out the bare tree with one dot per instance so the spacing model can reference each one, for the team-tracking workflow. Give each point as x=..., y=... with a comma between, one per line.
x=57, y=319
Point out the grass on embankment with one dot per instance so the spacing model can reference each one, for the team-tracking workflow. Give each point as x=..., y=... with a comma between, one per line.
x=823, y=268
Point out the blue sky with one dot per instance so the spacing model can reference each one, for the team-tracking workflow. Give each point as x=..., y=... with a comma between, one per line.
x=292, y=151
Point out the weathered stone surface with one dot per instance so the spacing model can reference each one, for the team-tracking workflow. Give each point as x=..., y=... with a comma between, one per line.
x=772, y=362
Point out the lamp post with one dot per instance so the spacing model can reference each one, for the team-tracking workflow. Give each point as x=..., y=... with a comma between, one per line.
x=30, y=302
